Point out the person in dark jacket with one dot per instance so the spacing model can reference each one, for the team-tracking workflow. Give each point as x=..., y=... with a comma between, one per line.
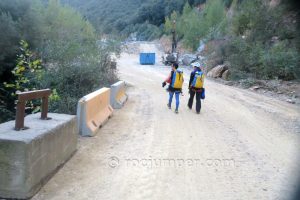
x=195, y=91
x=172, y=90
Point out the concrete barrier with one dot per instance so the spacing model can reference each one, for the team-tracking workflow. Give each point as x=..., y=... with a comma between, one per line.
x=118, y=96
x=93, y=111
x=28, y=158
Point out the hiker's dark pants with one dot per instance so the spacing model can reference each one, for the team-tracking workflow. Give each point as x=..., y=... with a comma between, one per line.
x=198, y=100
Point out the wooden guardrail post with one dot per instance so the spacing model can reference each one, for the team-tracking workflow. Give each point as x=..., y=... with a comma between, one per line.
x=27, y=96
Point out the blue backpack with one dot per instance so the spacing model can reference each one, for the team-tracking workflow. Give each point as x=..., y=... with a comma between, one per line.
x=198, y=80
x=177, y=80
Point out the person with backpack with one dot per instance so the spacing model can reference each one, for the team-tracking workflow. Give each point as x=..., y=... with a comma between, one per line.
x=196, y=87
x=175, y=80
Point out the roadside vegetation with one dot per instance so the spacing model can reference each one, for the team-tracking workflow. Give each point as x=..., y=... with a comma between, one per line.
x=253, y=37
x=48, y=45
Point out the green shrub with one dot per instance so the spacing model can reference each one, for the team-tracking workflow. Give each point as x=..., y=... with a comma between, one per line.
x=281, y=62
x=5, y=113
x=74, y=80
x=193, y=25
x=263, y=42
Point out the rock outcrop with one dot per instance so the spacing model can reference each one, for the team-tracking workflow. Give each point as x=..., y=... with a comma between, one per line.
x=218, y=71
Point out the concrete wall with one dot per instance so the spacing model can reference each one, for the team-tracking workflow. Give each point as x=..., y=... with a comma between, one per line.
x=28, y=158
x=93, y=111
x=118, y=97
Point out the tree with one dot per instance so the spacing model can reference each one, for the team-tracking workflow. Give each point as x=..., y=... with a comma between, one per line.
x=9, y=37
x=28, y=71
x=74, y=63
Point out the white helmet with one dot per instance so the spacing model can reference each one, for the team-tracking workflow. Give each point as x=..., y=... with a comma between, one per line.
x=196, y=64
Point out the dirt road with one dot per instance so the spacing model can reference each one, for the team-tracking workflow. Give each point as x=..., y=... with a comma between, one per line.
x=242, y=146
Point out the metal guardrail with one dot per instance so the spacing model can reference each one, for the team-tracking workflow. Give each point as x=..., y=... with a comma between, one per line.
x=27, y=96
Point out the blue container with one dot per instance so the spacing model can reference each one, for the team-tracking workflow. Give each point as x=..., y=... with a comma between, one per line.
x=147, y=58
